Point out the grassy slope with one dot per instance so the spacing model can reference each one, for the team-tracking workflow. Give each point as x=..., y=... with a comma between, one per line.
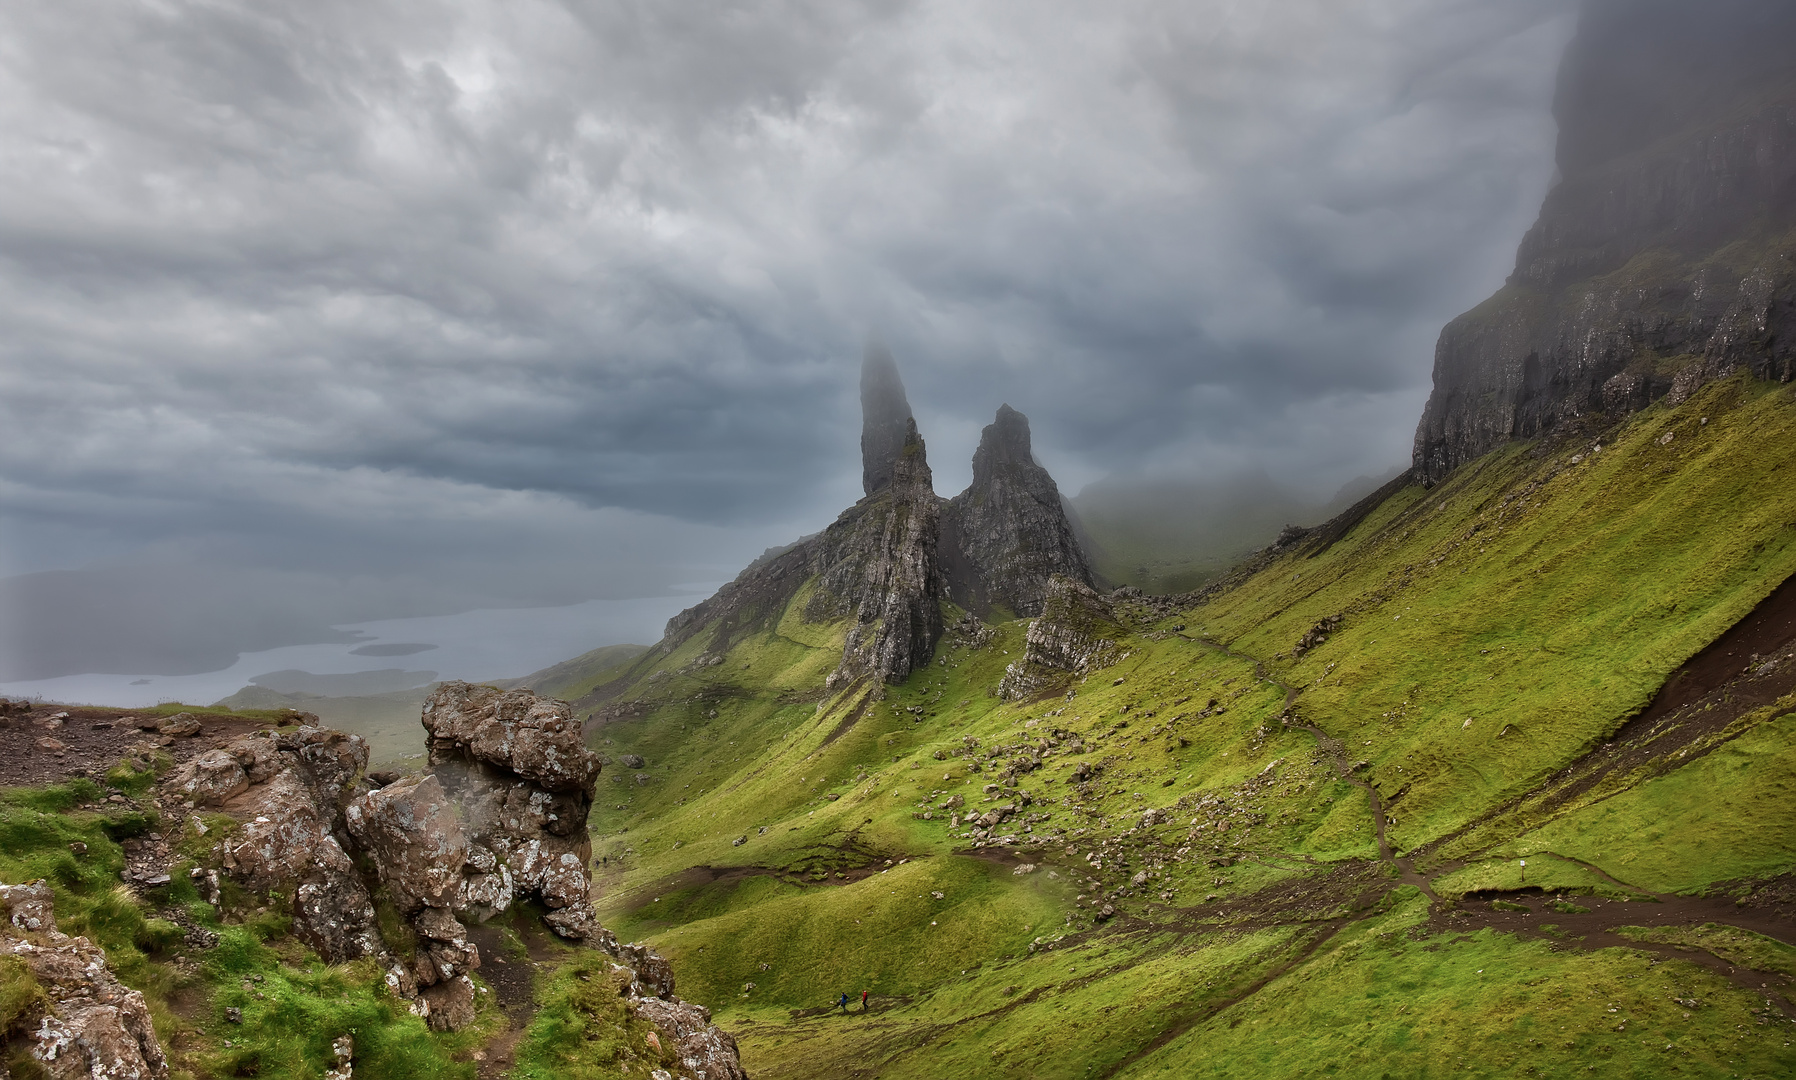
x=1526, y=593
x=574, y=678
x=1544, y=600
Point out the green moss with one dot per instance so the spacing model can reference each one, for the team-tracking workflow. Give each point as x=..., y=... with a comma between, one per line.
x=583, y=1031
x=1729, y=814
x=20, y=996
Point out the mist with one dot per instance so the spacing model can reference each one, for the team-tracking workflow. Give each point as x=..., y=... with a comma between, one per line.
x=324, y=314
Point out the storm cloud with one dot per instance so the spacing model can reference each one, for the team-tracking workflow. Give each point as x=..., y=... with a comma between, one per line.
x=536, y=301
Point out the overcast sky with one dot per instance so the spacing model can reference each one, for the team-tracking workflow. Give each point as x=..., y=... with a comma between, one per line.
x=439, y=304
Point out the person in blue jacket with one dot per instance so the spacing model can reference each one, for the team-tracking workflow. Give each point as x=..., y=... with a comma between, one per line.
x=842, y=1003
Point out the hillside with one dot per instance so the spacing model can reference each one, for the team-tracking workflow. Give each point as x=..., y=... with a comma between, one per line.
x=1492, y=774
x=1218, y=853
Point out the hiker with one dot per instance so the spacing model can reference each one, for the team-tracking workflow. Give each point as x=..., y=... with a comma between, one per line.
x=864, y=994
x=842, y=1003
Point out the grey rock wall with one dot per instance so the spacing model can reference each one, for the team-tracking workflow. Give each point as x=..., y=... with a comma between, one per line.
x=1666, y=254
x=1006, y=535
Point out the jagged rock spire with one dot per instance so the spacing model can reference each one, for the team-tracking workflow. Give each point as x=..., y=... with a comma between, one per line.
x=889, y=560
x=1008, y=533
x=882, y=570
x=885, y=414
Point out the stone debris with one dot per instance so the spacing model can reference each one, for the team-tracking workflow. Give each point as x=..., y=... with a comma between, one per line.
x=342, y=1054
x=90, y=1025
x=180, y=726
x=1075, y=636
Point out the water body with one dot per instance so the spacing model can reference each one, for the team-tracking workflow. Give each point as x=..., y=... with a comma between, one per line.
x=474, y=645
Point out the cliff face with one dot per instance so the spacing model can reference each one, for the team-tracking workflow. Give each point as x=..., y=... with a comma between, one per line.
x=1665, y=256
x=1008, y=533
x=878, y=564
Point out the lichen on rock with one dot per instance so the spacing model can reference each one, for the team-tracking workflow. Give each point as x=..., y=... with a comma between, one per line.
x=89, y=1024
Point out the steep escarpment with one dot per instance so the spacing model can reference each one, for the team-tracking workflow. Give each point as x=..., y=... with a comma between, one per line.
x=1666, y=255
x=1006, y=535
x=878, y=565
x=887, y=564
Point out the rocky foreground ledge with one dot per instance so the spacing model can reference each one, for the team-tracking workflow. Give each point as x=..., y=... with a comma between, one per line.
x=497, y=818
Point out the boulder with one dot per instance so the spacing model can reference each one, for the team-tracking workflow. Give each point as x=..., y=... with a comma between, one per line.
x=286, y=842
x=536, y=738
x=180, y=726
x=411, y=832
x=89, y=1024
x=29, y=907
x=448, y=1006
x=212, y=778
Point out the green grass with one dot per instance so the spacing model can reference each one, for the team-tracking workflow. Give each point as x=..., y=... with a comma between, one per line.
x=1727, y=815
x=303, y=1004
x=294, y=1007
x=1741, y=947
x=583, y=1030
x=1387, y=999
x=1544, y=600
x=1540, y=600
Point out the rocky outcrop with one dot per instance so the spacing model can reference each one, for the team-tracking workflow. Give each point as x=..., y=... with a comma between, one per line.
x=885, y=419
x=517, y=766
x=536, y=739
x=88, y=1024
x=1006, y=535
x=288, y=790
x=888, y=562
x=412, y=833
x=878, y=567
x=704, y=1049
x=1075, y=635
x=1665, y=256
x=499, y=816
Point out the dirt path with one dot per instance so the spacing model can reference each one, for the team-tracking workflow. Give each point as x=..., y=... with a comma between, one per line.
x=1337, y=755
x=513, y=980
x=1752, y=665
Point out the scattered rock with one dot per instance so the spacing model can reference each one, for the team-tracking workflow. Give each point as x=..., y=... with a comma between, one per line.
x=180, y=726
x=88, y=1023
x=630, y=761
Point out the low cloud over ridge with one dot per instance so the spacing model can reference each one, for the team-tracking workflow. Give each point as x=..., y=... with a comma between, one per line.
x=334, y=287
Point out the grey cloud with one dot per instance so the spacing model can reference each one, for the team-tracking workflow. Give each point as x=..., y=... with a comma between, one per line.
x=310, y=282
